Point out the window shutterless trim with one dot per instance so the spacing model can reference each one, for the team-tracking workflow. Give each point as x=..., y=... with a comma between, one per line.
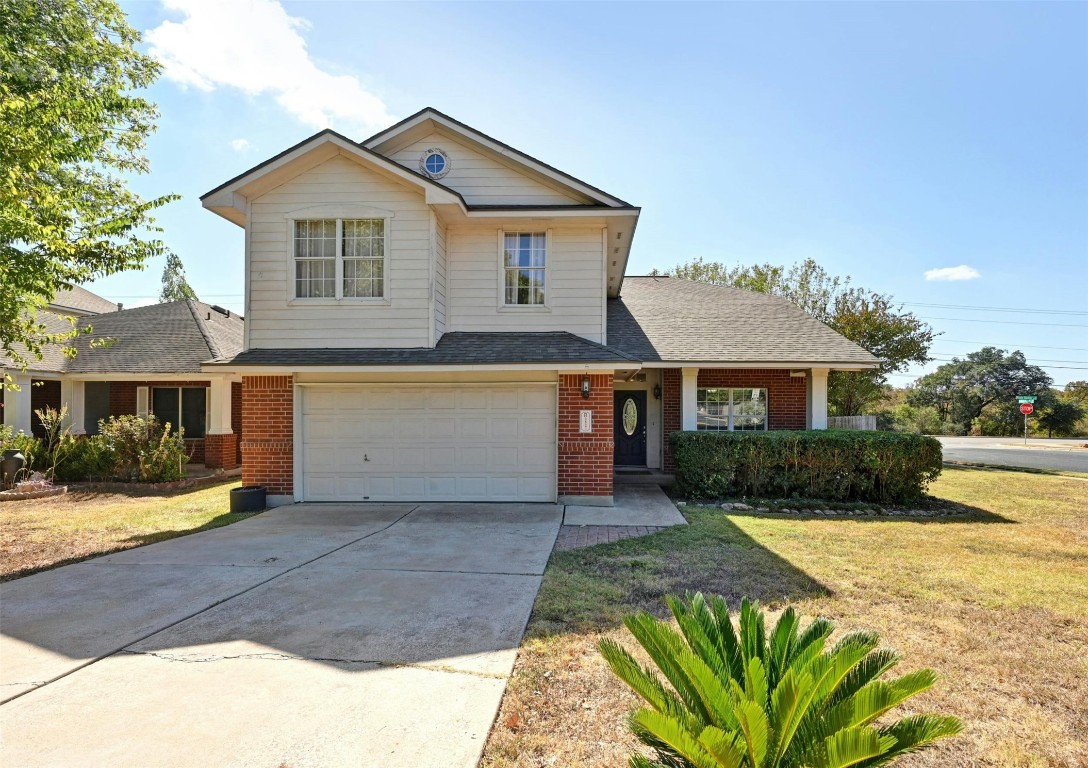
x=340, y=212
x=503, y=306
x=730, y=414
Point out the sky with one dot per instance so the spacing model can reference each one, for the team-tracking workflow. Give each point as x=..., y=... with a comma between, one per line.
x=937, y=152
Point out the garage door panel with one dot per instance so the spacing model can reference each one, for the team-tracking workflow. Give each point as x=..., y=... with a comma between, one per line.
x=472, y=443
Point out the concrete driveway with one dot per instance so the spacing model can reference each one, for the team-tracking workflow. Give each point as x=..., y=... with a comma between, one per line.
x=310, y=635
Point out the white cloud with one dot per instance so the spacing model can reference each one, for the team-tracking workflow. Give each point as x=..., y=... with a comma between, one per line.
x=240, y=145
x=256, y=47
x=962, y=272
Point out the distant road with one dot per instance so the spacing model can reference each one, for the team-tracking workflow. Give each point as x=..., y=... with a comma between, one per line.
x=1003, y=450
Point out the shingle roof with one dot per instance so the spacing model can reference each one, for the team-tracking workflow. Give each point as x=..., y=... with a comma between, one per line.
x=82, y=301
x=671, y=319
x=53, y=359
x=175, y=337
x=458, y=348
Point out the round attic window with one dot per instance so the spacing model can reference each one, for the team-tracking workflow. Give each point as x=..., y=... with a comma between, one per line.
x=434, y=163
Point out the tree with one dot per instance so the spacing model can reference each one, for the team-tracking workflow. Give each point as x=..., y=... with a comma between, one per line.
x=71, y=131
x=174, y=285
x=962, y=389
x=872, y=320
x=1062, y=417
x=1078, y=391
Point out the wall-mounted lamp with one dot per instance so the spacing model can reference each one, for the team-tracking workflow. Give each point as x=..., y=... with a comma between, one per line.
x=585, y=387
x=657, y=391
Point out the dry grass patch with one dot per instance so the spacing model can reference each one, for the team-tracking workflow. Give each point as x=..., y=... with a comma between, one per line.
x=993, y=600
x=40, y=534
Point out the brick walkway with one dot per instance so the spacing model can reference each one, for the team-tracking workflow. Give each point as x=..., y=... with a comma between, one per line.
x=578, y=536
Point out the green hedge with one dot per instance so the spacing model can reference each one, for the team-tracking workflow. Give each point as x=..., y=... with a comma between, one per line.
x=836, y=465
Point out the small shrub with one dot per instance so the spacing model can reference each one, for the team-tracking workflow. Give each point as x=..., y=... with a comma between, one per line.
x=834, y=465
x=758, y=699
x=32, y=448
x=88, y=458
x=143, y=450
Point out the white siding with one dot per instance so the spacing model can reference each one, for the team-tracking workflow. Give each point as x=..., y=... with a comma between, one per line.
x=404, y=321
x=440, y=281
x=575, y=293
x=482, y=179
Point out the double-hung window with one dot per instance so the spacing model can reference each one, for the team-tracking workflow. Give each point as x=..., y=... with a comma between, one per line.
x=182, y=407
x=731, y=409
x=339, y=258
x=524, y=261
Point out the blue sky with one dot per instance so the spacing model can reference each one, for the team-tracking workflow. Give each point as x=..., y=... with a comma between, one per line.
x=884, y=140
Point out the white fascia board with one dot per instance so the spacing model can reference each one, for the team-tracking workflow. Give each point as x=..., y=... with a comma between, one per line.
x=760, y=364
x=180, y=376
x=40, y=375
x=285, y=370
x=552, y=213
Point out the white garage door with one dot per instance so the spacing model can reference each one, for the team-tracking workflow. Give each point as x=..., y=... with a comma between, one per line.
x=429, y=443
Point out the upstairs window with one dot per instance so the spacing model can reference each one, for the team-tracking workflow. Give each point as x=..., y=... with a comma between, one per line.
x=339, y=258
x=722, y=409
x=525, y=256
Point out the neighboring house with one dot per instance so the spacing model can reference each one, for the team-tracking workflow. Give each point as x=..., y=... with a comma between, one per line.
x=433, y=315
x=136, y=361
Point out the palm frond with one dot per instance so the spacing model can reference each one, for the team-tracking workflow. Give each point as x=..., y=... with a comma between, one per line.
x=853, y=747
x=724, y=746
x=669, y=731
x=915, y=732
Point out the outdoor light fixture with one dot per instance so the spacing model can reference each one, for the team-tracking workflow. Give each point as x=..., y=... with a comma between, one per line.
x=657, y=391
x=585, y=387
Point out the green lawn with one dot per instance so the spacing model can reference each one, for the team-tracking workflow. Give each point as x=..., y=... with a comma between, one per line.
x=40, y=534
x=994, y=600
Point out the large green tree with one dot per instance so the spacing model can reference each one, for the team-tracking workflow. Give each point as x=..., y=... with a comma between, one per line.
x=174, y=285
x=1061, y=417
x=872, y=320
x=73, y=128
x=987, y=380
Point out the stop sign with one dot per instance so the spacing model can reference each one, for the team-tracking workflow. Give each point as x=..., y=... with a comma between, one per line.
x=1026, y=408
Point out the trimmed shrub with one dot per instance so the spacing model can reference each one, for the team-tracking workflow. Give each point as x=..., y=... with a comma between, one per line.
x=835, y=465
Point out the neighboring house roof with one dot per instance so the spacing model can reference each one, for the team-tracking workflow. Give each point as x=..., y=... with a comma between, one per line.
x=53, y=358
x=175, y=337
x=457, y=348
x=668, y=319
x=81, y=302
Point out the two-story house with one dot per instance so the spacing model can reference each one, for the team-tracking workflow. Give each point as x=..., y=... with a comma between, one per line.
x=433, y=315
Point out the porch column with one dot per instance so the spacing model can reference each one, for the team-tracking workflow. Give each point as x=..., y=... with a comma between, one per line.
x=817, y=398
x=689, y=384
x=220, y=442
x=17, y=404
x=72, y=395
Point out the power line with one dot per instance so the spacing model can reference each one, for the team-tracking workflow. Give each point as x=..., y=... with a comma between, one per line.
x=978, y=308
x=1004, y=322
x=1026, y=346
x=1065, y=367
x=1033, y=360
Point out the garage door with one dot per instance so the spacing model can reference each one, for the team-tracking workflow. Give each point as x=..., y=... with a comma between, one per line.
x=429, y=443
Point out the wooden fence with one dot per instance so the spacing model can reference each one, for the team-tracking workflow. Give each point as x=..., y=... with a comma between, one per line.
x=852, y=422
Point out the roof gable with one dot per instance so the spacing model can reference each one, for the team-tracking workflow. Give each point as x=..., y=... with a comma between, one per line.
x=413, y=129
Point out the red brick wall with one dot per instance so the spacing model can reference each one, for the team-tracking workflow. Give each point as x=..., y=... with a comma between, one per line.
x=236, y=420
x=585, y=459
x=670, y=410
x=44, y=393
x=221, y=451
x=786, y=397
x=268, y=427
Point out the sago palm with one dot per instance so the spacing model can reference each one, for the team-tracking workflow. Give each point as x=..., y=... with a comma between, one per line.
x=743, y=698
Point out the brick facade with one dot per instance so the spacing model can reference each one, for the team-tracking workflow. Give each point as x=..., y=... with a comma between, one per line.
x=787, y=399
x=221, y=451
x=268, y=433
x=585, y=459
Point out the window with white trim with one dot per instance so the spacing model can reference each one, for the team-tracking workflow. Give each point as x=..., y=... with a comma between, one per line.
x=524, y=259
x=182, y=407
x=721, y=409
x=339, y=258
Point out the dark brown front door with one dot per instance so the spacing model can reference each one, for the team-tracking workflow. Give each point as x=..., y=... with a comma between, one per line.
x=630, y=429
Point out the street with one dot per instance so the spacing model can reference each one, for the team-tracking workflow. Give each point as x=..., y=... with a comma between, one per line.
x=1010, y=451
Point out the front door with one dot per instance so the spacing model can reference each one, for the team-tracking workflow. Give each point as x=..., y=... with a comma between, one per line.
x=630, y=429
